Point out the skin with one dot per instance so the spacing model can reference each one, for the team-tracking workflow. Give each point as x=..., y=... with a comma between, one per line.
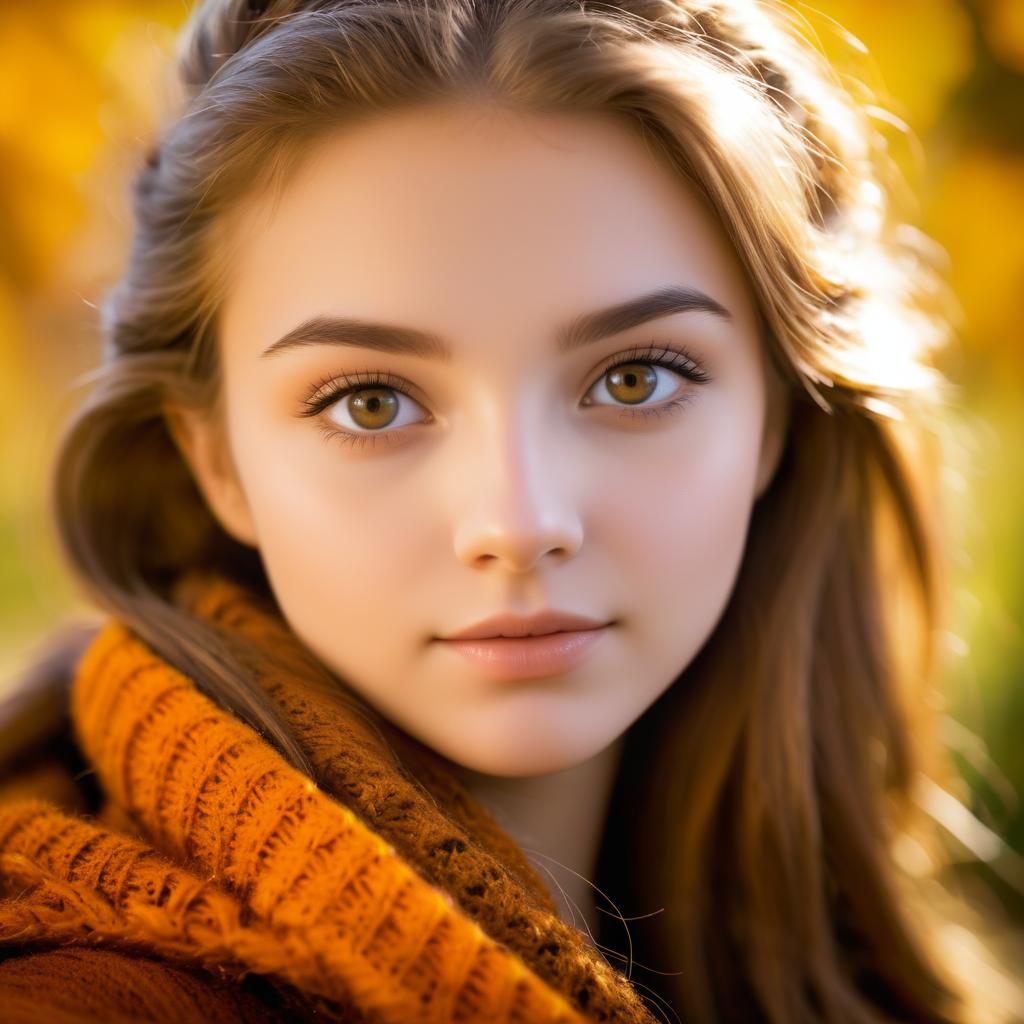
x=499, y=488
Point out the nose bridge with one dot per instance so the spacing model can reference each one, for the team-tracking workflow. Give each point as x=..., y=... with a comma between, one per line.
x=517, y=503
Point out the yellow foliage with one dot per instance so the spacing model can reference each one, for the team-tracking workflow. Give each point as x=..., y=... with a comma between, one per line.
x=918, y=51
x=976, y=212
x=59, y=84
x=1002, y=21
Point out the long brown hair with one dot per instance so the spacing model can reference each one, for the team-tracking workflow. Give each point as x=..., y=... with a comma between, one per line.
x=759, y=799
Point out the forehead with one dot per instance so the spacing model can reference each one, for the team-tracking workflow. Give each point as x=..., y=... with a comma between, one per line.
x=448, y=215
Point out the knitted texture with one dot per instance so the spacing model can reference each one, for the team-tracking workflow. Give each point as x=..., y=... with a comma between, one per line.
x=105, y=985
x=379, y=890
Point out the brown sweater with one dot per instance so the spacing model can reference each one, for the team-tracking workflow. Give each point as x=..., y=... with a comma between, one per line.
x=215, y=882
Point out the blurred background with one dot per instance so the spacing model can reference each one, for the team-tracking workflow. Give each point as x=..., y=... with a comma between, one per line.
x=84, y=83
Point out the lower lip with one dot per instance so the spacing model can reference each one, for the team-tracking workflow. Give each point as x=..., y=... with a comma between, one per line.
x=532, y=657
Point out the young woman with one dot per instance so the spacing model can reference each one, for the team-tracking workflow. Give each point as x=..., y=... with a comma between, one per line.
x=508, y=486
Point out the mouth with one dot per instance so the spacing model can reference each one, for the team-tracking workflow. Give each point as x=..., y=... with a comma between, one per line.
x=530, y=657
x=508, y=625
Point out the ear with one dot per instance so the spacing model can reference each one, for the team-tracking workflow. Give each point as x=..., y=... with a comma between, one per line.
x=204, y=447
x=779, y=403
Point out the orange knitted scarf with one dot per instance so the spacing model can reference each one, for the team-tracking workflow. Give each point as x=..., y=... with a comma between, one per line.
x=361, y=894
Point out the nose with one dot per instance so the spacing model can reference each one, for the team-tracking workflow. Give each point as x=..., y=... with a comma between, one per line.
x=516, y=506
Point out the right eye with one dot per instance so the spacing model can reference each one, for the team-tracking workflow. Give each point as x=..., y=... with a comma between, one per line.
x=371, y=408
x=358, y=408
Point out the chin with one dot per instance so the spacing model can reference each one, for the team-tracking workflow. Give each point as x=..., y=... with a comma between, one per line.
x=519, y=761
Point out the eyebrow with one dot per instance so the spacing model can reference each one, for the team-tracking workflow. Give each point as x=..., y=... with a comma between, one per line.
x=581, y=330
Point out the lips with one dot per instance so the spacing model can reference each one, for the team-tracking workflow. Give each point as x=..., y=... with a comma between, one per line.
x=540, y=623
x=530, y=657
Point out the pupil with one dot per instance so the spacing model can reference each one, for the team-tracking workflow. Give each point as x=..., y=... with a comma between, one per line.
x=631, y=380
x=372, y=402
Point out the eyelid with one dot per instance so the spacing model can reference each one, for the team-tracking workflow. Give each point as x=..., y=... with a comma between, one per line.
x=334, y=387
x=331, y=386
x=652, y=352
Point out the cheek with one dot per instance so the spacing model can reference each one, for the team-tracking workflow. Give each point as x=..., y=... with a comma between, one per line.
x=328, y=528
x=676, y=516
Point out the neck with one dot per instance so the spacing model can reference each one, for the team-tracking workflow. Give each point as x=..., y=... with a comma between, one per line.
x=558, y=820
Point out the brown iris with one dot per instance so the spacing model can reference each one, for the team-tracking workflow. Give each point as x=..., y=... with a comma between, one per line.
x=632, y=382
x=373, y=407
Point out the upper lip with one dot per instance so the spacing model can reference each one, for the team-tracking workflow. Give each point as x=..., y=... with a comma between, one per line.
x=549, y=620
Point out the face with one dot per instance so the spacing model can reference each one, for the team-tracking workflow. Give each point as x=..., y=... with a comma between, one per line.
x=487, y=458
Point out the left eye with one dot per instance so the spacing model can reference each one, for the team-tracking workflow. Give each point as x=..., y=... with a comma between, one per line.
x=634, y=383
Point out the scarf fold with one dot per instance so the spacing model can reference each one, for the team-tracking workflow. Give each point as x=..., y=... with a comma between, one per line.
x=378, y=890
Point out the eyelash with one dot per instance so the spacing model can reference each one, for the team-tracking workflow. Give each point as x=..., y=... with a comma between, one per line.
x=333, y=389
